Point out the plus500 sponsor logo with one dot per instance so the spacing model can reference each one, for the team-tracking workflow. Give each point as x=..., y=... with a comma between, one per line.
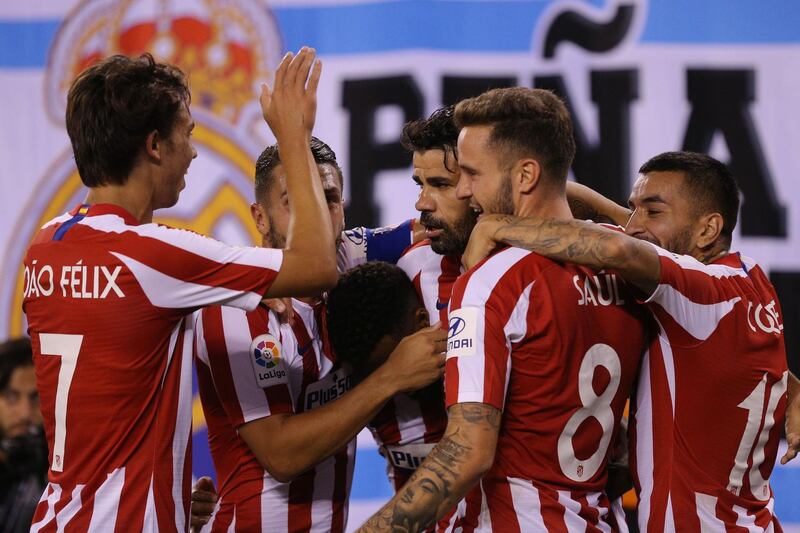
x=327, y=391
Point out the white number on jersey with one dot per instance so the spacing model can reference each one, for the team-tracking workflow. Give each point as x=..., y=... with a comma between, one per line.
x=754, y=404
x=594, y=406
x=67, y=347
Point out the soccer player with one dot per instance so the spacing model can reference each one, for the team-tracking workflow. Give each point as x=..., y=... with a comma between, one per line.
x=711, y=397
x=282, y=447
x=107, y=291
x=537, y=374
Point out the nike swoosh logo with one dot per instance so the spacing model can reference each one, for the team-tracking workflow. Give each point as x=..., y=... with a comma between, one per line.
x=440, y=305
x=301, y=350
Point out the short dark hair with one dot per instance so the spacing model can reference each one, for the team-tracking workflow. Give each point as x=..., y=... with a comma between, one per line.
x=14, y=354
x=369, y=302
x=271, y=158
x=437, y=132
x=710, y=183
x=525, y=122
x=111, y=109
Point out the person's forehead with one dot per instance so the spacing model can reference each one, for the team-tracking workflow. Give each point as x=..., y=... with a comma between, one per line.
x=23, y=378
x=431, y=163
x=667, y=185
x=473, y=138
x=328, y=175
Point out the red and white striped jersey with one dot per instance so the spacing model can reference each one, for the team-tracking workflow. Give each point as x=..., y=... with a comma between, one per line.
x=556, y=348
x=105, y=300
x=249, y=367
x=410, y=425
x=711, y=400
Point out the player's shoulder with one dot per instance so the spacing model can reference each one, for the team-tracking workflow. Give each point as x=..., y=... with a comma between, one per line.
x=414, y=259
x=504, y=268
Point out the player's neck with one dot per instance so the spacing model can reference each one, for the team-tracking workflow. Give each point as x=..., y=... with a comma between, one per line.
x=544, y=206
x=133, y=196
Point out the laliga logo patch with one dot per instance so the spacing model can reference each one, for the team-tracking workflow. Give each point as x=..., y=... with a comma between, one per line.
x=266, y=356
x=461, y=332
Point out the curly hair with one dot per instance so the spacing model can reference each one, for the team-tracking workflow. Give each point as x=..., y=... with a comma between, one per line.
x=111, y=109
x=437, y=132
x=525, y=122
x=370, y=301
x=271, y=158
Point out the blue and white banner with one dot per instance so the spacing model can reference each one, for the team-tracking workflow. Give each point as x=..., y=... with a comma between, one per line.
x=640, y=76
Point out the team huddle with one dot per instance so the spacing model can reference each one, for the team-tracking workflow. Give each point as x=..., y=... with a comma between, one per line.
x=519, y=352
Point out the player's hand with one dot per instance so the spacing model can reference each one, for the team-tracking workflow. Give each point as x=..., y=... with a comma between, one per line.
x=204, y=499
x=282, y=307
x=792, y=447
x=417, y=360
x=481, y=241
x=290, y=106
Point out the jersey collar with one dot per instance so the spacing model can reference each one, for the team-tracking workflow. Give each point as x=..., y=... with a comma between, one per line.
x=94, y=210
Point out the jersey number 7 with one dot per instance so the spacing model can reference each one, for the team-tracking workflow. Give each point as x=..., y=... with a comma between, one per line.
x=67, y=347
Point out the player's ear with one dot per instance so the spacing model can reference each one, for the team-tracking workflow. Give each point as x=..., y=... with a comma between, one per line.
x=529, y=171
x=153, y=146
x=421, y=319
x=709, y=228
x=260, y=218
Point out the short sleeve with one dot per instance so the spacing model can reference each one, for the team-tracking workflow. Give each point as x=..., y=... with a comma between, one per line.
x=694, y=296
x=250, y=374
x=179, y=269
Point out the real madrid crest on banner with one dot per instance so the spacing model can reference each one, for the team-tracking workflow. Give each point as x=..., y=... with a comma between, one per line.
x=227, y=48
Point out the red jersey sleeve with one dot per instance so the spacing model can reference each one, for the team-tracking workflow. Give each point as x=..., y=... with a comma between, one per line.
x=250, y=374
x=179, y=269
x=693, y=296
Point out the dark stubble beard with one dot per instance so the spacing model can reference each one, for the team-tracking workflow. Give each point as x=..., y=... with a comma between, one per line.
x=503, y=201
x=275, y=239
x=453, y=240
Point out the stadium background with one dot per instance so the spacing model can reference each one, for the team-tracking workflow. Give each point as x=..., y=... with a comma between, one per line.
x=640, y=76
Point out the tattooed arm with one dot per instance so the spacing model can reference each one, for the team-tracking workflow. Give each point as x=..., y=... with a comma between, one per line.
x=587, y=204
x=457, y=462
x=572, y=241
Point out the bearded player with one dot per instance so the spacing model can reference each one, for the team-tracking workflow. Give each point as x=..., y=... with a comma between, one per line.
x=533, y=401
x=711, y=400
x=282, y=411
x=107, y=291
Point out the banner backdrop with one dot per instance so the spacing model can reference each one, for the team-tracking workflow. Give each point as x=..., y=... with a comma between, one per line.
x=640, y=77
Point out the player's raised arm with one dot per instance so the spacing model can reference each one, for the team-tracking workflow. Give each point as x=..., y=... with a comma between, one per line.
x=287, y=445
x=452, y=468
x=588, y=204
x=574, y=241
x=309, y=258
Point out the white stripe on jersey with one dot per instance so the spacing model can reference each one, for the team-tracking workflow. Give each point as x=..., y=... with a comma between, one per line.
x=237, y=341
x=699, y=320
x=746, y=521
x=322, y=503
x=189, y=241
x=172, y=293
x=481, y=283
x=527, y=505
x=150, y=519
x=106, y=502
x=688, y=262
x=429, y=286
x=669, y=362
x=58, y=220
x=619, y=513
x=274, y=498
x=707, y=513
x=67, y=513
x=516, y=328
x=572, y=510
x=644, y=441
x=414, y=260
x=408, y=417
x=183, y=424
x=593, y=499
x=51, y=498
